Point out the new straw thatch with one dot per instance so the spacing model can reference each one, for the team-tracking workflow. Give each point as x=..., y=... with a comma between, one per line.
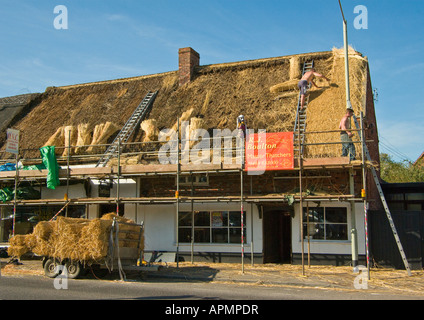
x=217, y=93
x=81, y=240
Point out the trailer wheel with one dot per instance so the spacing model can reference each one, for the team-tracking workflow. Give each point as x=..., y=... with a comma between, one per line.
x=73, y=268
x=50, y=268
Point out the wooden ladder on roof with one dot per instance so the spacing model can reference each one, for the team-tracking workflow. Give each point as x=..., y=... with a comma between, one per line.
x=300, y=122
x=139, y=114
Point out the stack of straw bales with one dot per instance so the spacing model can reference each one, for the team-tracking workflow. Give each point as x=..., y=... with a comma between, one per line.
x=76, y=239
x=82, y=138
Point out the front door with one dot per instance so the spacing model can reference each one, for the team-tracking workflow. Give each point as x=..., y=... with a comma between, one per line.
x=277, y=236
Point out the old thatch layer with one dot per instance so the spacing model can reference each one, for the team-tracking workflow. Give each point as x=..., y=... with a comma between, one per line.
x=263, y=90
x=76, y=239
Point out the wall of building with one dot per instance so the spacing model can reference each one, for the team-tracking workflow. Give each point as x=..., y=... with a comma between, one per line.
x=160, y=227
x=331, y=250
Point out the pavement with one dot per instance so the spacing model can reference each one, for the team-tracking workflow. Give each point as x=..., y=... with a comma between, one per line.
x=381, y=280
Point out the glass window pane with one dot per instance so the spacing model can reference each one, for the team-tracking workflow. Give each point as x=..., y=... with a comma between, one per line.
x=202, y=235
x=394, y=196
x=202, y=218
x=235, y=235
x=396, y=205
x=184, y=219
x=315, y=215
x=235, y=218
x=336, y=231
x=184, y=234
x=220, y=235
x=413, y=206
x=414, y=196
x=219, y=219
x=316, y=231
x=335, y=215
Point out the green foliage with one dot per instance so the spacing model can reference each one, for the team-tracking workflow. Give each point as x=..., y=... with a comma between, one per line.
x=399, y=172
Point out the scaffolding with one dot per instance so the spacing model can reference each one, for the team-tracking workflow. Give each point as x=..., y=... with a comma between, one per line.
x=149, y=152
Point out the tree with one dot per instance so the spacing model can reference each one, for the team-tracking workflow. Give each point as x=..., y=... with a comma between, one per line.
x=398, y=172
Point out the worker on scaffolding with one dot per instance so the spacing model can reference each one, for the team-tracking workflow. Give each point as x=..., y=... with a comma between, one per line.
x=348, y=148
x=304, y=82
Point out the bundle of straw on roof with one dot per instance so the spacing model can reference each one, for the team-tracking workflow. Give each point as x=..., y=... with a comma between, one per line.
x=101, y=134
x=285, y=86
x=71, y=135
x=151, y=130
x=295, y=68
x=84, y=138
x=57, y=139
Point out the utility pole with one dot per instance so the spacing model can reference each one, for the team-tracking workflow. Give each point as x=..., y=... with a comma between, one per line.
x=353, y=232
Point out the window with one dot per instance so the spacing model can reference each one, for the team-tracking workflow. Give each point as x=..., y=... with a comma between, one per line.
x=325, y=223
x=198, y=180
x=211, y=226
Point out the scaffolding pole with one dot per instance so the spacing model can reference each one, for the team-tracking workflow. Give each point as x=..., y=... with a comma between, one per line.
x=364, y=194
x=15, y=195
x=118, y=178
x=301, y=201
x=177, y=194
x=242, y=223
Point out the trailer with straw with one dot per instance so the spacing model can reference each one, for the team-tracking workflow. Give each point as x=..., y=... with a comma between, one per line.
x=71, y=246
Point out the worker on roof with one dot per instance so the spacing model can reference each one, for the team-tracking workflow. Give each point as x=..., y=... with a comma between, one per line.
x=303, y=84
x=241, y=125
x=348, y=148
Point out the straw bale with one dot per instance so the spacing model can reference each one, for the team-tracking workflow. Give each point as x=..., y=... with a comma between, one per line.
x=184, y=117
x=124, y=228
x=295, y=68
x=18, y=246
x=93, y=244
x=101, y=134
x=113, y=215
x=44, y=229
x=57, y=139
x=285, y=86
x=151, y=130
x=84, y=137
x=76, y=239
x=71, y=135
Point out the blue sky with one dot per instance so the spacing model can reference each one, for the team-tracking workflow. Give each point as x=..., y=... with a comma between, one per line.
x=116, y=39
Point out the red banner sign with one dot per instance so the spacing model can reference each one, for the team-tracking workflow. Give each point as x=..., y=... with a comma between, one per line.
x=269, y=151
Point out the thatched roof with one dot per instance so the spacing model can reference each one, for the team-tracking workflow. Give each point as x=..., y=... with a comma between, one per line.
x=218, y=93
x=11, y=107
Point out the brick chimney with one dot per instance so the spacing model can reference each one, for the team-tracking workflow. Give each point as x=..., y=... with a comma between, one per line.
x=188, y=60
